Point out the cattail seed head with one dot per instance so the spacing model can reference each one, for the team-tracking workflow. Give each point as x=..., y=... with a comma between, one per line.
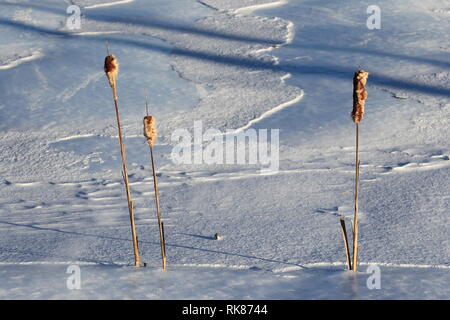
x=150, y=131
x=111, y=69
x=359, y=95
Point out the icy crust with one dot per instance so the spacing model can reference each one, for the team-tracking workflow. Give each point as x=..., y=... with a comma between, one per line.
x=240, y=83
x=235, y=4
x=24, y=156
x=92, y=4
x=19, y=59
x=236, y=67
x=438, y=80
x=226, y=56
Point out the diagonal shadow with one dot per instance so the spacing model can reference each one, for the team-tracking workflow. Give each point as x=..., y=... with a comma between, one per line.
x=160, y=24
x=248, y=63
x=68, y=258
x=146, y=242
x=62, y=231
x=199, y=236
x=372, y=52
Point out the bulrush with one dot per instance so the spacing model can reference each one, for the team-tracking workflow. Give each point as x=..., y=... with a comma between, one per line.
x=150, y=133
x=111, y=69
x=359, y=95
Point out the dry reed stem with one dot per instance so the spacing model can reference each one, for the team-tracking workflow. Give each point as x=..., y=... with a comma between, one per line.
x=150, y=133
x=347, y=250
x=164, y=247
x=359, y=97
x=158, y=212
x=356, y=209
x=111, y=69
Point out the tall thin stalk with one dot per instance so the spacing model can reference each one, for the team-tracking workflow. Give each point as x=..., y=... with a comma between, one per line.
x=356, y=209
x=359, y=97
x=158, y=212
x=111, y=70
x=150, y=132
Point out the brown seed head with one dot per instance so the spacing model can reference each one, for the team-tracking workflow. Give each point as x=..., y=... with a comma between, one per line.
x=111, y=69
x=150, y=131
x=359, y=95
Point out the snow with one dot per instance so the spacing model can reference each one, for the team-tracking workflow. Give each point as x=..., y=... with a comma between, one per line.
x=235, y=65
x=48, y=281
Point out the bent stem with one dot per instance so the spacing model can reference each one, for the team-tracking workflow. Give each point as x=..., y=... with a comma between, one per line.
x=347, y=249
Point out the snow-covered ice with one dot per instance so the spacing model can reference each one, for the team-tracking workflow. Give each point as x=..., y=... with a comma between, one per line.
x=234, y=65
x=48, y=281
